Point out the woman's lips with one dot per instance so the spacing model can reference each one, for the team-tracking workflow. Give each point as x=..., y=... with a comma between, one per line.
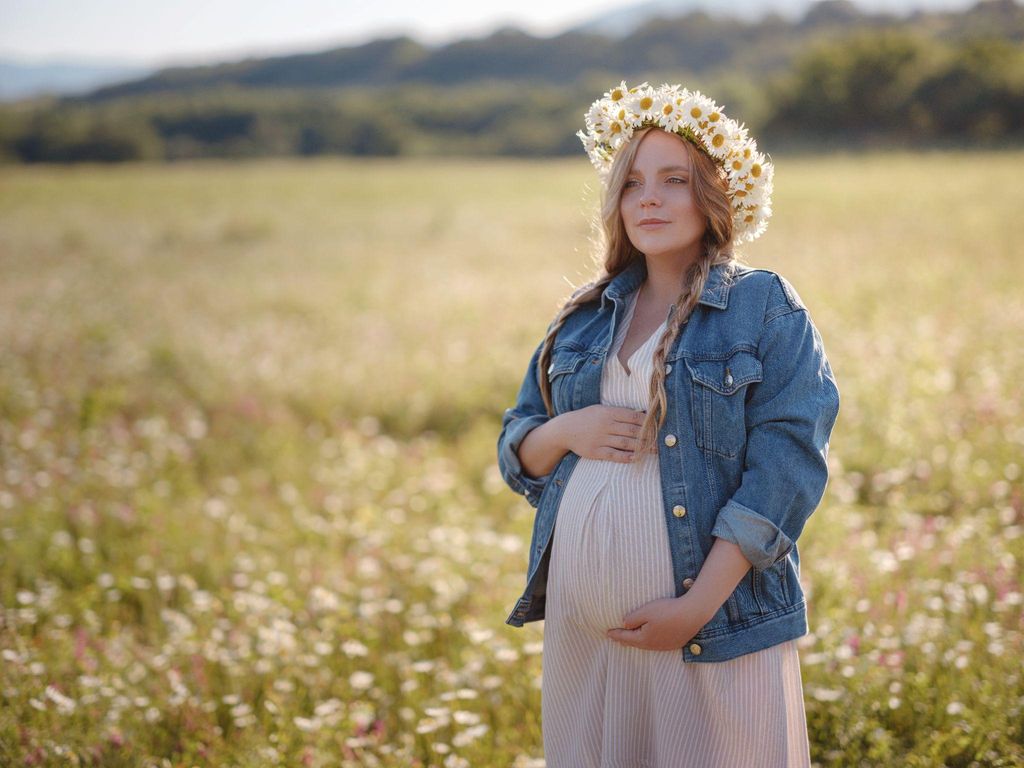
x=652, y=224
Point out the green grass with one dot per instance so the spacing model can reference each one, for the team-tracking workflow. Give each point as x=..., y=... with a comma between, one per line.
x=250, y=513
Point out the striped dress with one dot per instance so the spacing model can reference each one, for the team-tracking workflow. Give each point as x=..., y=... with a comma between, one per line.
x=606, y=705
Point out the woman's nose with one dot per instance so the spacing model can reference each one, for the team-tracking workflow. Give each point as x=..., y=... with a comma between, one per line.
x=647, y=197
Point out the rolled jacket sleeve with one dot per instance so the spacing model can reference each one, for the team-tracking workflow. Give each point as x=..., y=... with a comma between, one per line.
x=789, y=419
x=528, y=413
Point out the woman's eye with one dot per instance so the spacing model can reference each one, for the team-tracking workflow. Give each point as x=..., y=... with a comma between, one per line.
x=676, y=178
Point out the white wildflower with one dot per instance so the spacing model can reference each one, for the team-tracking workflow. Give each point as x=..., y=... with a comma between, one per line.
x=65, y=704
x=360, y=680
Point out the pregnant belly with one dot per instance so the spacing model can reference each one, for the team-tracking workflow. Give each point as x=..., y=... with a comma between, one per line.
x=610, y=553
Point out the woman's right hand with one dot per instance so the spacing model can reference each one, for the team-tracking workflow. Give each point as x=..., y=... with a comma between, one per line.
x=604, y=432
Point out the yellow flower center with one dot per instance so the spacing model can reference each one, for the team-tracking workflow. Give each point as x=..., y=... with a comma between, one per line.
x=755, y=170
x=616, y=128
x=736, y=165
x=713, y=117
x=748, y=185
x=748, y=217
x=646, y=102
x=617, y=94
x=695, y=112
x=746, y=153
x=718, y=140
x=667, y=109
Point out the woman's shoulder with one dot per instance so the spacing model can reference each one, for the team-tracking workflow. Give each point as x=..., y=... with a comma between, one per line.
x=568, y=323
x=582, y=303
x=763, y=287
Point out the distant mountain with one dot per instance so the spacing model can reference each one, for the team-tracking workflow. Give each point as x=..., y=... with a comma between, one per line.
x=695, y=43
x=624, y=20
x=19, y=79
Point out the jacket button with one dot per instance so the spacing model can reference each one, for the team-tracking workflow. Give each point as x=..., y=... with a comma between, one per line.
x=670, y=440
x=668, y=368
x=695, y=649
x=728, y=379
x=551, y=368
x=679, y=510
x=687, y=583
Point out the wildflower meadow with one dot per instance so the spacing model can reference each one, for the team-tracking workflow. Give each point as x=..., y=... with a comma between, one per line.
x=250, y=510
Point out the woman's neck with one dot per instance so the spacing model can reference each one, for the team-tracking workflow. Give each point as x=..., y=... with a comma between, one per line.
x=664, y=281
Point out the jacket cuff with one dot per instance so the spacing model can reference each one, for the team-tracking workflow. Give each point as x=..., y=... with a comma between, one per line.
x=514, y=435
x=760, y=540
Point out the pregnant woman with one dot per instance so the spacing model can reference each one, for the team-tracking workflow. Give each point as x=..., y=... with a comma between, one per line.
x=672, y=431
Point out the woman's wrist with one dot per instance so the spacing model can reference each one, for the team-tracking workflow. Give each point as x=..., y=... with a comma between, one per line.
x=543, y=447
x=553, y=434
x=700, y=606
x=724, y=568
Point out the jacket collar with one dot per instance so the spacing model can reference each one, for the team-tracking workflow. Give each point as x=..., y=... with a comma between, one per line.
x=715, y=294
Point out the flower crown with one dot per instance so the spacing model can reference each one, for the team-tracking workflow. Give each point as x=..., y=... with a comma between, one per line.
x=612, y=120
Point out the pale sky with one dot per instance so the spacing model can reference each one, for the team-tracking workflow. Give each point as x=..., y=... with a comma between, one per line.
x=191, y=31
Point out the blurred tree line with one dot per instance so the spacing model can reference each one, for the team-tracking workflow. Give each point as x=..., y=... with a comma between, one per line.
x=882, y=82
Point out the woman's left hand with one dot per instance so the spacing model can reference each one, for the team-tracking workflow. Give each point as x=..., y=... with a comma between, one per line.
x=661, y=625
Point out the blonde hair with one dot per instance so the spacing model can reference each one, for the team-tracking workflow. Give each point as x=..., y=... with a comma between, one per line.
x=710, y=192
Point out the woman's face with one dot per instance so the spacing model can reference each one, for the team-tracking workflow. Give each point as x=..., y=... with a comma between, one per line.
x=658, y=189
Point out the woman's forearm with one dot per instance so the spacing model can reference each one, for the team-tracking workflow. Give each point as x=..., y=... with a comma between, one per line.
x=542, y=448
x=723, y=568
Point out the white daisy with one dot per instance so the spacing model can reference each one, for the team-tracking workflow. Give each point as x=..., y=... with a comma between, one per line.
x=617, y=93
x=699, y=107
x=619, y=133
x=670, y=112
x=741, y=159
x=595, y=115
x=644, y=104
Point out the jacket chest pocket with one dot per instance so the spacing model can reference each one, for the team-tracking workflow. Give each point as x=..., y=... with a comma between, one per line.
x=719, y=392
x=565, y=362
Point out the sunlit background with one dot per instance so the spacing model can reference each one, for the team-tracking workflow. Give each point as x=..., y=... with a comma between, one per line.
x=270, y=275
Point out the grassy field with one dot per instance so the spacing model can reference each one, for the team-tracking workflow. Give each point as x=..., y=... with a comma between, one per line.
x=250, y=513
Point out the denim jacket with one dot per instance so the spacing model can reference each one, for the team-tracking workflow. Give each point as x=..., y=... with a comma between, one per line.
x=751, y=405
